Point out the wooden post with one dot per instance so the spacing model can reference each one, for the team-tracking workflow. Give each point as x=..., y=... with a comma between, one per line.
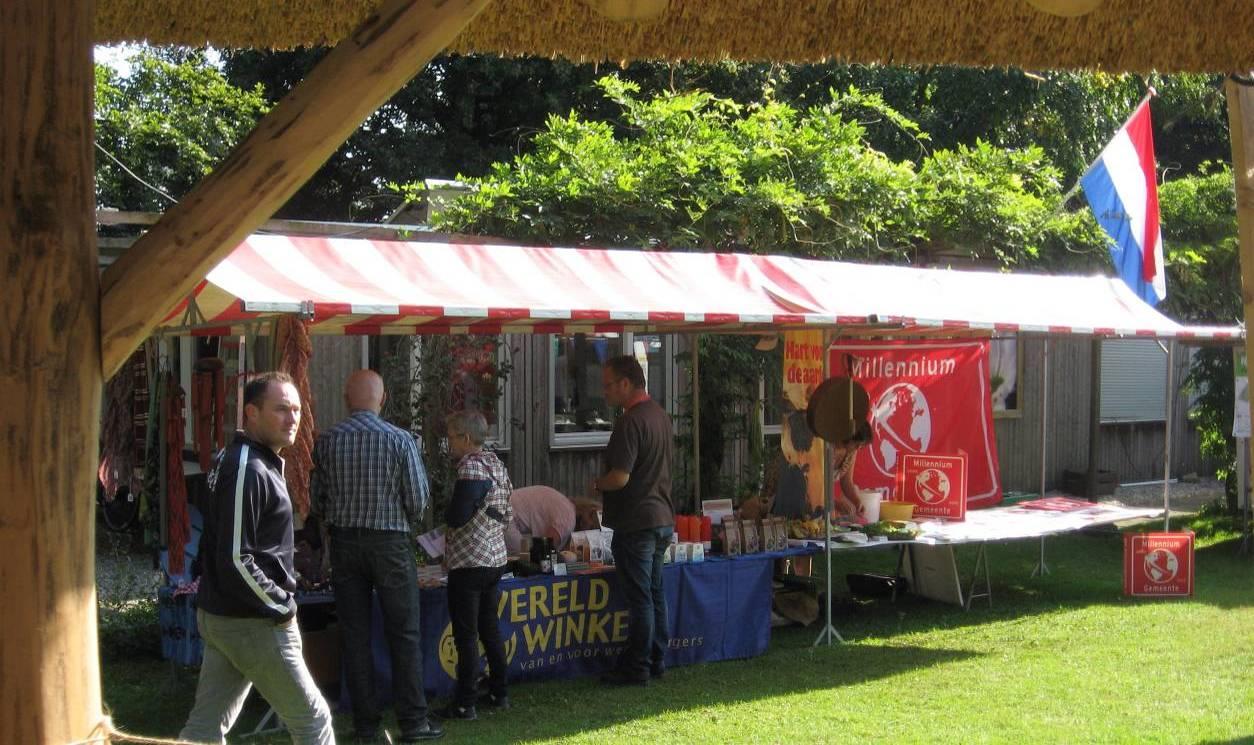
x=49, y=373
x=287, y=147
x=1241, y=132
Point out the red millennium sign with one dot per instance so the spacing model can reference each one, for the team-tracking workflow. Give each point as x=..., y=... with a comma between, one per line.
x=926, y=397
x=935, y=484
x=1158, y=565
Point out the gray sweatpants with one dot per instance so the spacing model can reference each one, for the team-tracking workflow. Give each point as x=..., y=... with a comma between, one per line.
x=241, y=653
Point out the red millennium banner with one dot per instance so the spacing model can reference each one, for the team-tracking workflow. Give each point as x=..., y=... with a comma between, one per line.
x=927, y=397
x=935, y=484
x=1158, y=564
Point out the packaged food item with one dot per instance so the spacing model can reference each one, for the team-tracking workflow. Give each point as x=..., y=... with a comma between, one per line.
x=732, y=543
x=749, y=534
x=696, y=552
x=681, y=552
x=780, y=526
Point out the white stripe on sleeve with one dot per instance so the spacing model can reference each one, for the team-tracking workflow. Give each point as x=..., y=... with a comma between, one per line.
x=249, y=579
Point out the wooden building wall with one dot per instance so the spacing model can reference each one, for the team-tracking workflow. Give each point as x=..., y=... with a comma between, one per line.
x=333, y=359
x=1133, y=451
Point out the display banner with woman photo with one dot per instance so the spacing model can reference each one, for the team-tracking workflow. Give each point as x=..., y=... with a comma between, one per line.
x=927, y=397
x=799, y=492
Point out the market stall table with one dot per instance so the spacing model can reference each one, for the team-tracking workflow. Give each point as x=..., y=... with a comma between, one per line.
x=932, y=549
x=563, y=627
x=560, y=627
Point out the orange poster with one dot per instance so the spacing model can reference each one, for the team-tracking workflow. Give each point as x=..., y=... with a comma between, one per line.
x=800, y=486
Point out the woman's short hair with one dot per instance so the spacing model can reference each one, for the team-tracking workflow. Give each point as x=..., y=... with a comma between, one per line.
x=470, y=423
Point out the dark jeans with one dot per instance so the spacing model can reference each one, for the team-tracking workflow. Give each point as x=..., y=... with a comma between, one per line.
x=638, y=557
x=363, y=562
x=473, y=597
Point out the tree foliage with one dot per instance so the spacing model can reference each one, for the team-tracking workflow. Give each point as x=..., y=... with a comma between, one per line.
x=170, y=121
x=689, y=170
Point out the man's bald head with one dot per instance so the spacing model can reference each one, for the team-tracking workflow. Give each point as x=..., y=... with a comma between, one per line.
x=364, y=391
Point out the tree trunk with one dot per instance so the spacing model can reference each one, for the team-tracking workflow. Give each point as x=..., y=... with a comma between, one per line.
x=1241, y=131
x=50, y=374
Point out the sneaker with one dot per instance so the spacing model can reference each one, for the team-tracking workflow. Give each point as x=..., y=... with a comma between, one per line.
x=622, y=678
x=657, y=671
x=494, y=701
x=428, y=731
x=454, y=711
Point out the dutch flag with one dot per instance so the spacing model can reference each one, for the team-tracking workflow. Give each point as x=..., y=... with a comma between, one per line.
x=1122, y=190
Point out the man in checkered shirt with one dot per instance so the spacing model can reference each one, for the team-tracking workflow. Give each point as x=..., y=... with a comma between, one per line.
x=475, y=554
x=369, y=486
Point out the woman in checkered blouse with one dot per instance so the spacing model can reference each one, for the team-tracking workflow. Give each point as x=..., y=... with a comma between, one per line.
x=475, y=552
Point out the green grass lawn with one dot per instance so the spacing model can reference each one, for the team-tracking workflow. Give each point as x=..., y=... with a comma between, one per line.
x=1064, y=658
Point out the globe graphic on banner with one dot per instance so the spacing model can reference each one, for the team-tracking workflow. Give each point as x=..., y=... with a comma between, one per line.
x=902, y=424
x=932, y=486
x=1161, y=565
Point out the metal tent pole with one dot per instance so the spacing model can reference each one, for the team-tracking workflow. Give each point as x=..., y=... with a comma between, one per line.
x=696, y=421
x=829, y=631
x=1170, y=349
x=1041, y=568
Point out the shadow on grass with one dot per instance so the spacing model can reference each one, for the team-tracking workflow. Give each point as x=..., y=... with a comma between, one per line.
x=791, y=667
x=1086, y=570
x=152, y=698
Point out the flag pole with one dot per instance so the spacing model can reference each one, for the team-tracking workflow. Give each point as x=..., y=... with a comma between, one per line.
x=1150, y=93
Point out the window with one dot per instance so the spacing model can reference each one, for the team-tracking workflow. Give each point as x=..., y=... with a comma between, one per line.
x=581, y=416
x=651, y=351
x=1134, y=381
x=771, y=392
x=1005, y=370
x=476, y=384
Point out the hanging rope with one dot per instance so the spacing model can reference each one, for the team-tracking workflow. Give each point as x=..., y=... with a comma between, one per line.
x=179, y=522
x=118, y=448
x=208, y=409
x=295, y=350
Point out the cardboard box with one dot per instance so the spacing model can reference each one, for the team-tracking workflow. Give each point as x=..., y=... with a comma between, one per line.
x=322, y=656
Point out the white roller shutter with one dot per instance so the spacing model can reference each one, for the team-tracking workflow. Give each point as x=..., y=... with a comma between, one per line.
x=1134, y=381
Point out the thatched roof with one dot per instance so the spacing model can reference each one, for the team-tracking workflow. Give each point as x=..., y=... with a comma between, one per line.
x=1125, y=35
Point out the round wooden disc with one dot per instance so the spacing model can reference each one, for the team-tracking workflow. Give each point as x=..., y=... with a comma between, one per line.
x=829, y=414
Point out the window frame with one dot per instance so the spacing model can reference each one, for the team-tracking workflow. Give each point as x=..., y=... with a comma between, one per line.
x=596, y=440
x=1017, y=411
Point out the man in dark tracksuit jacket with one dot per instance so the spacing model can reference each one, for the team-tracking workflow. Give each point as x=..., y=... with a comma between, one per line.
x=247, y=609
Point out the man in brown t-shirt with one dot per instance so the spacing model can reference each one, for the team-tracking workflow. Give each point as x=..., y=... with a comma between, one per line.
x=636, y=484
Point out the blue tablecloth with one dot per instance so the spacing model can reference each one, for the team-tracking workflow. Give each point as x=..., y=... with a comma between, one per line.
x=561, y=627
x=564, y=627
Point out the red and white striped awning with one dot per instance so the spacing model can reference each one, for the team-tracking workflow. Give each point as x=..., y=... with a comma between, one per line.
x=354, y=286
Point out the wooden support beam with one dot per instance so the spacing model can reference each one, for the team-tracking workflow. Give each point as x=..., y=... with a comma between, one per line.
x=289, y=144
x=1241, y=132
x=49, y=373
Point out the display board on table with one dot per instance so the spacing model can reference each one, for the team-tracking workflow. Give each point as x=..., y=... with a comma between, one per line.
x=927, y=397
x=935, y=484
